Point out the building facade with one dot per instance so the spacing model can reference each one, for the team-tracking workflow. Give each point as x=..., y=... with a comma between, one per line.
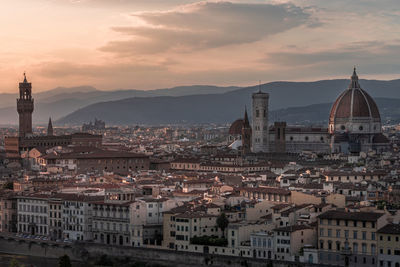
x=260, y=136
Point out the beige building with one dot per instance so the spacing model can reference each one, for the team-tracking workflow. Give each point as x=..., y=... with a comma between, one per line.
x=349, y=238
x=272, y=194
x=354, y=177
x=289, y=240
x=389, y=246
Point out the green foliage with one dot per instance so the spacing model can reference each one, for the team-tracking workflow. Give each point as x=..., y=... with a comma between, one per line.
x=8, y=185
x=222, y=222
x=64, y=261
x=15, y=263
x=209, y=241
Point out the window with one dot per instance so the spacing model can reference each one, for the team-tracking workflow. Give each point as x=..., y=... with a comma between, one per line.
x=321, y=232
x=338, y=233
x=329, y=232
x=364, y=235
x=355, y=223
x=373, y=236
x=354, y=234
x=355, y=247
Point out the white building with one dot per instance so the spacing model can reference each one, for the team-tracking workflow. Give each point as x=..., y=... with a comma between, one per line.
x=32, y=214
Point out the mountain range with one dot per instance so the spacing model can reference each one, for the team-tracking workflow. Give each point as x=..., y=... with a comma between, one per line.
x=294, y=102
x=61, y=101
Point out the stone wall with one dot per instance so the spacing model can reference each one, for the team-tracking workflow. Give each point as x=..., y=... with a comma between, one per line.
x=85, y=252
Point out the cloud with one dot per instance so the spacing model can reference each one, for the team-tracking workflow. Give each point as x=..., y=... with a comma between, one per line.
x=206, y=25
x=374, y=57
x=63, y=69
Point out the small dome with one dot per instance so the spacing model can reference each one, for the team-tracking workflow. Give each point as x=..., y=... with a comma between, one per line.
x=236, y=127
x=354, y=103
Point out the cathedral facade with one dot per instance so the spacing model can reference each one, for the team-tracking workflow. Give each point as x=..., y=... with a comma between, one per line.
x=354, y=126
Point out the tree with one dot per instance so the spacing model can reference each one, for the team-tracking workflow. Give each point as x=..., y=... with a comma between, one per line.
x=15, y=263
x=8, y=185
x=64, y=261
x=222, y=222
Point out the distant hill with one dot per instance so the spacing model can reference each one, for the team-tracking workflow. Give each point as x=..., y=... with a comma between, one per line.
x=318, y=114
x=194, y=104
x=291, y=102
x=61, y=101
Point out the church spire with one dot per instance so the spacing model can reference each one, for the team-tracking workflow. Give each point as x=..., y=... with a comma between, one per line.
x=25, y=80
x=354, y=80
x=50, y=128
x=246, y=122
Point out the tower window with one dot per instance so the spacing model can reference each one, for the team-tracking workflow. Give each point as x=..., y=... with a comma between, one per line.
x=265, y=113
x=257, y=113
x=306, y=138
x=342, y=127
x=360, y=128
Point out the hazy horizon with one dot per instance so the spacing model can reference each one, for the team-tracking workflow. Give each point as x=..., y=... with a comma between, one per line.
x=144, y=45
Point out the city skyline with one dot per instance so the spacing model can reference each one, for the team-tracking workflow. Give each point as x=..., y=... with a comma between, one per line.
x=159, y=44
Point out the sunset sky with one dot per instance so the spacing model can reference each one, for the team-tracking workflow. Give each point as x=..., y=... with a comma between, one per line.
x=149, y=44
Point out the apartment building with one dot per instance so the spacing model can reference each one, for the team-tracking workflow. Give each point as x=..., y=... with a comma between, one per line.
x=289, y=240
x=349, y=238
x=389, y=246
x=77, y=216
x=111, y=223
x=8, y=212
x=32, y=214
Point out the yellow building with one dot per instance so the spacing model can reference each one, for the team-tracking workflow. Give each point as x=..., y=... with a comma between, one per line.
x=389, y=246
x=349, y=238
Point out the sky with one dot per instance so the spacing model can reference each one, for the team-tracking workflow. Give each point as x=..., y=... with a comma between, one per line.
x=150, y=44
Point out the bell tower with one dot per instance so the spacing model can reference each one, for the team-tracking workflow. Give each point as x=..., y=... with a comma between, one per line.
x=260, y=131
x=25, y=108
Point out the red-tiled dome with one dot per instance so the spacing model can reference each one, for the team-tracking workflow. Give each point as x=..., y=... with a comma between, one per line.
x=236, y=127
x=354, y=103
